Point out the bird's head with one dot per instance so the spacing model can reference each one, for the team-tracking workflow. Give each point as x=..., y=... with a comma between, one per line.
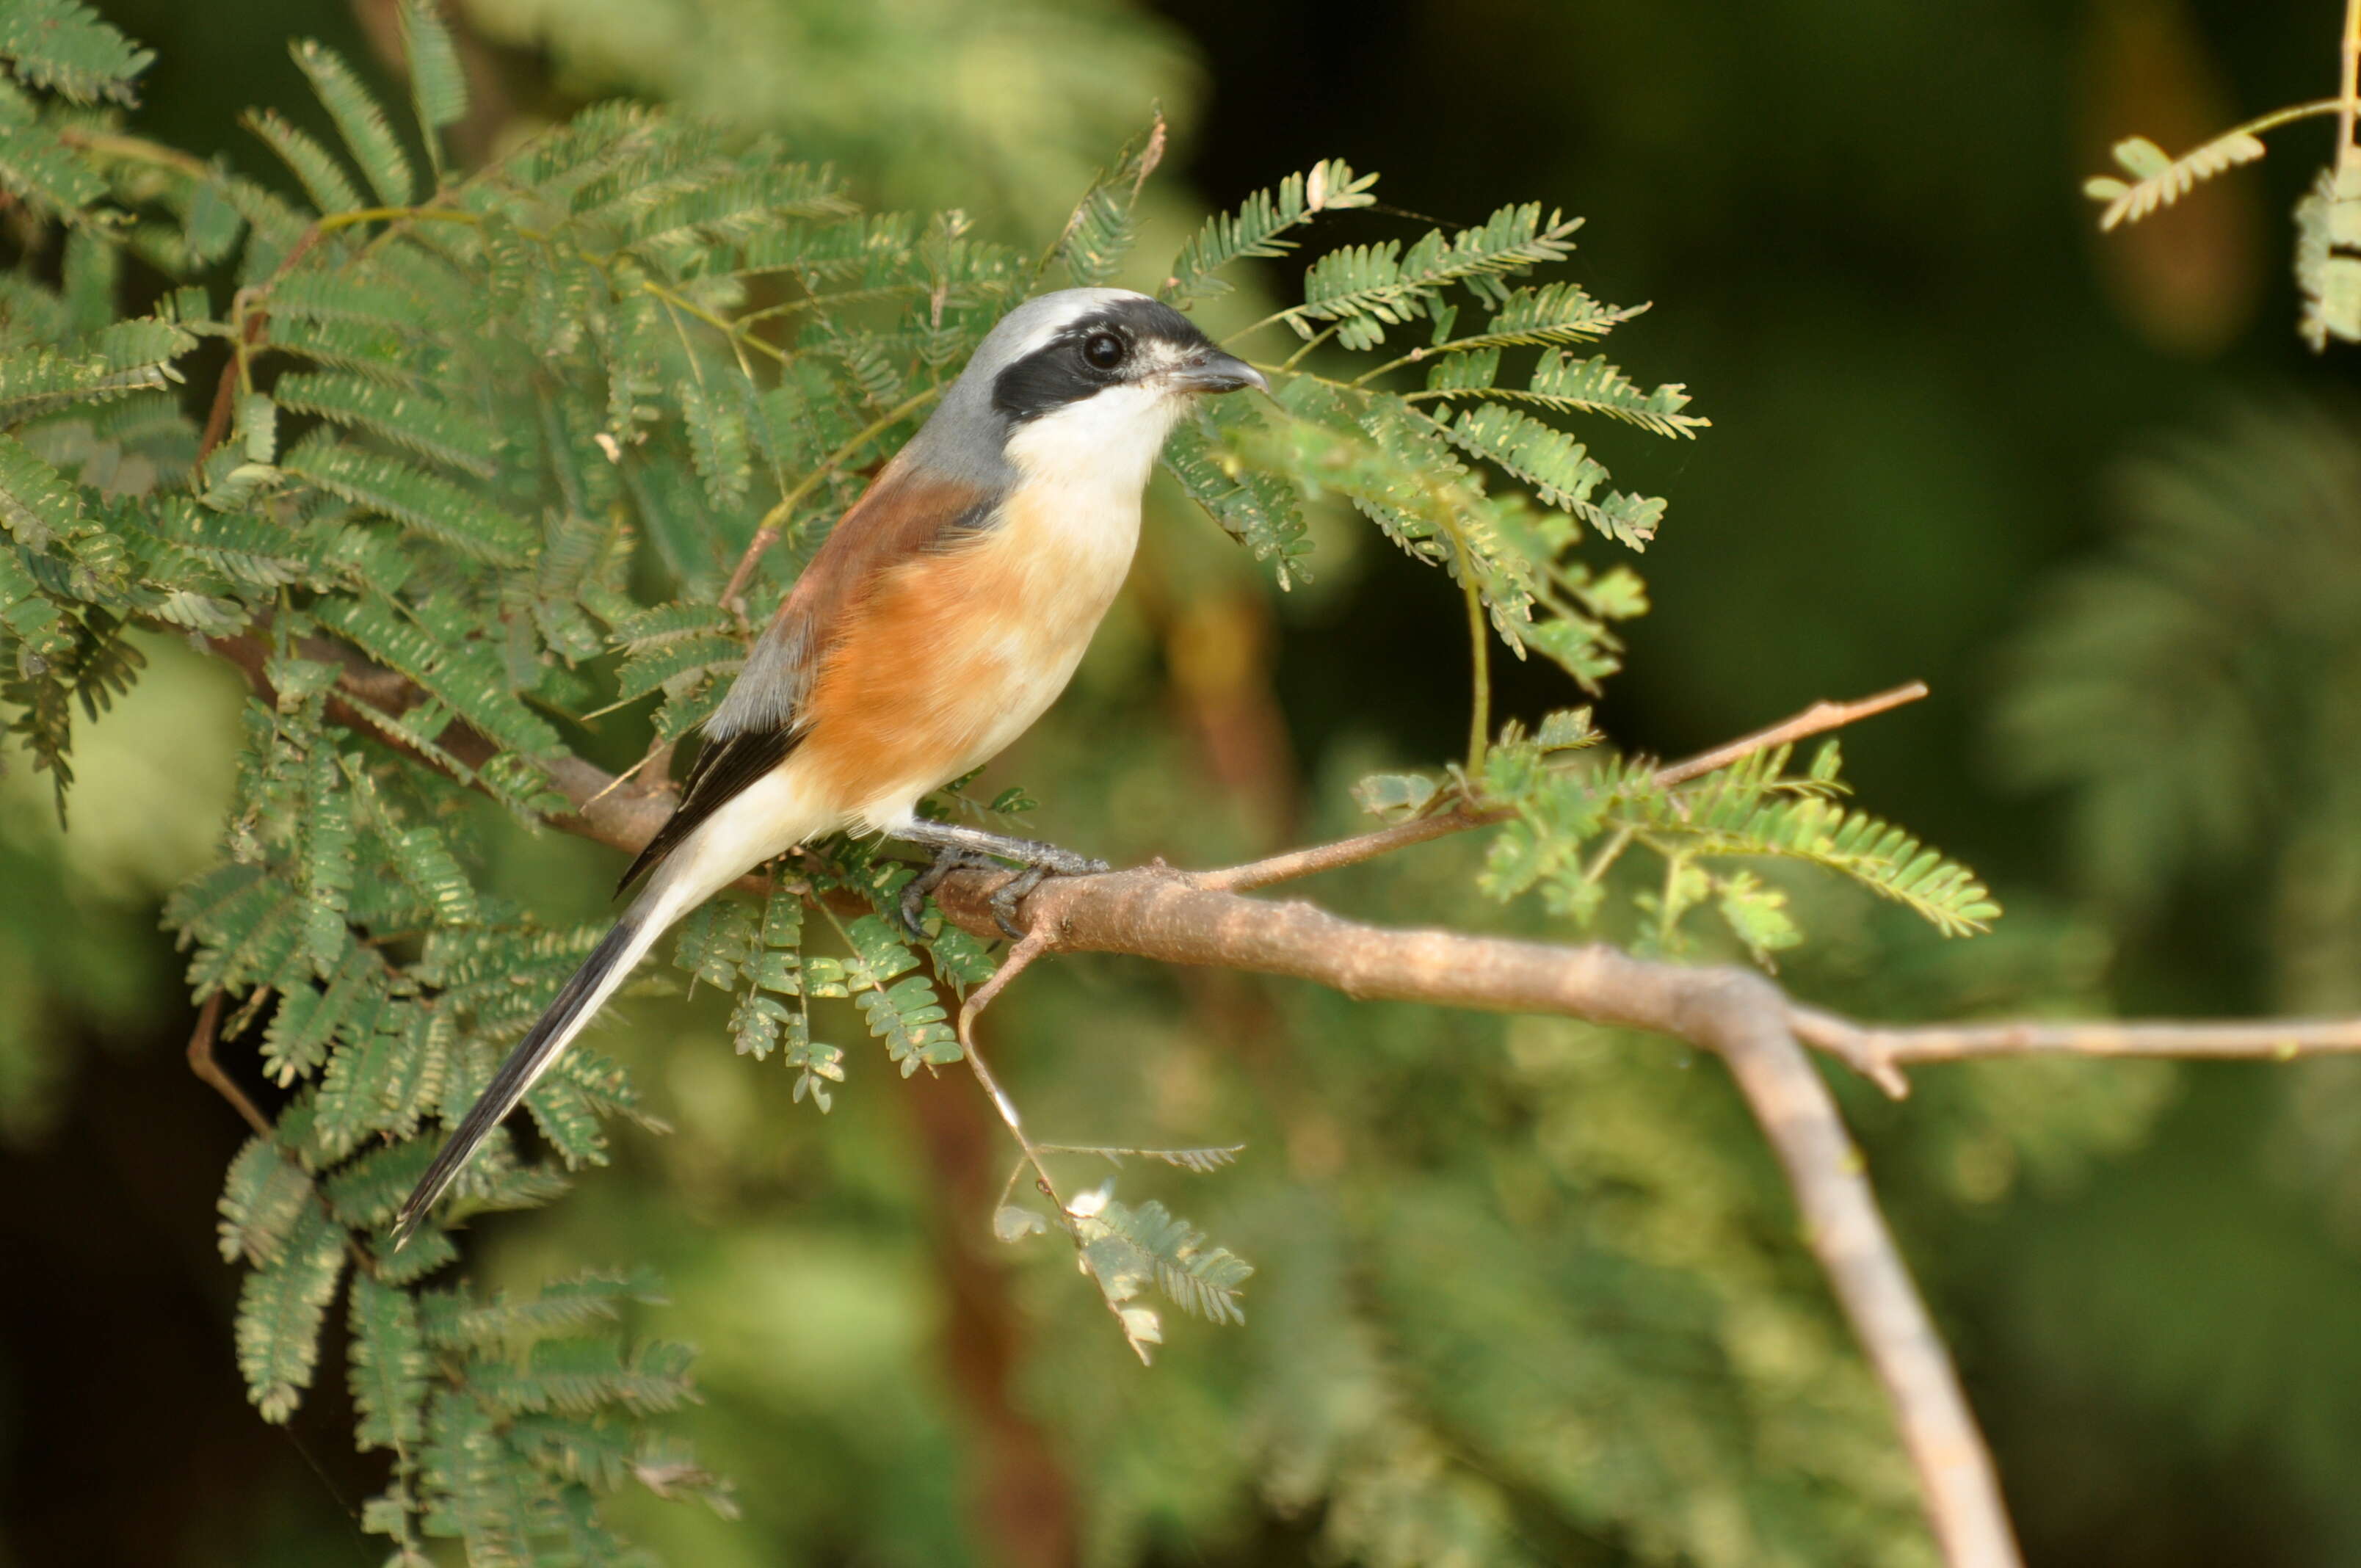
x=1080, y=381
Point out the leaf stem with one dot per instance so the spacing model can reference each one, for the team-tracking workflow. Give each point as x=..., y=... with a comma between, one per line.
x=721, y=324
x=1479, y=637
x=816, y=301
x=2348, y=97
x=425, y=212
x=1271, y=320
x=1290, y=363
x=136, y=149
x=1277, y=369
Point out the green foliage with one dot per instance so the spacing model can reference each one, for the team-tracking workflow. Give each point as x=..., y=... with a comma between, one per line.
x=2327, y=269
x=1577, y=819
x=2186, y=684
x=1260, y=227
x=438, y=88
x=2327, y=219
x=1102, y=229
x=1400, y=455
x=281, y=1310
x=1126, y=1245
x=408, y=419
x=1364, y=289
x=484, y=451
x=388, y=1367
x=267, y=1193
x=362, y=124
x=1257, y=510
x=62, y=47
x=2158, y=181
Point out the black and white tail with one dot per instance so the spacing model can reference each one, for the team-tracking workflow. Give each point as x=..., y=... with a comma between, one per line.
x=609, y=965
x=764, y=814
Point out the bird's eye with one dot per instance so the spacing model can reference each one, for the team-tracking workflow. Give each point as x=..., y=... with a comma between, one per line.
x=1103, y=351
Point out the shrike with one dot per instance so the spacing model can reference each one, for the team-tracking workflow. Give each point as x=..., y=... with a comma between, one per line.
x=941, y=619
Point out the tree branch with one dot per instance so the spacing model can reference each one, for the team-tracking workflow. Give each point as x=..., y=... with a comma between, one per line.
x=1737, y=1014
x=1202, y=920
x=1847, y=1233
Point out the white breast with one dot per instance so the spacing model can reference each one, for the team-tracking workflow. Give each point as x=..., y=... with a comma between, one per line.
x=1106, y=443
x=1061, y=551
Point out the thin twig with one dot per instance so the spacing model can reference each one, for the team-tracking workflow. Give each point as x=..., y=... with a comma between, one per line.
x=233, y=373
x=1871, y=1047
x=1314, y=340
x=659, y=781
x=1038, y=939
x=1036, y=942
x=253, y=310
x=201, y=1063
x=1818, y=719
x=1344, y=853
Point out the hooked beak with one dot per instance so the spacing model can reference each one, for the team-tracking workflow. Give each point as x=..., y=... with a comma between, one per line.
x=1214, y=371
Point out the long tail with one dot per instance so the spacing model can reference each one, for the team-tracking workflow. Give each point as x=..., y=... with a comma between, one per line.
x=667, y=899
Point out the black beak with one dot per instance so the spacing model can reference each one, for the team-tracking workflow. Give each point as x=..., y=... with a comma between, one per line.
x=1214, y=371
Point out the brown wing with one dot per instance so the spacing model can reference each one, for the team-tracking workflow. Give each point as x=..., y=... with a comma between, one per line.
x=757, y=726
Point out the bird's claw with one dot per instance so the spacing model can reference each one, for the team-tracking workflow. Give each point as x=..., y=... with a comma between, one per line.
x=913, y=908
x=914, y=892
x=1012, y=892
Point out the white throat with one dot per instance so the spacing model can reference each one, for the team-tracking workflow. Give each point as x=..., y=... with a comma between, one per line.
x=1105, y=443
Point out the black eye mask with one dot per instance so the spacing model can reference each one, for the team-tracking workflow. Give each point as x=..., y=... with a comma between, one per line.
x=1060, y=371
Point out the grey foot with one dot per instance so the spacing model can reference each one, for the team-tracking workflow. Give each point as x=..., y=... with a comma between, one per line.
x=956, y=847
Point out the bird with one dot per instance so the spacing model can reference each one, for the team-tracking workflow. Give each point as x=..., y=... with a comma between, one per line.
x=943, y=615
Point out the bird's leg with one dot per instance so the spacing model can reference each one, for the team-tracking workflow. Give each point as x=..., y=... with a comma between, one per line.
x=955, y=846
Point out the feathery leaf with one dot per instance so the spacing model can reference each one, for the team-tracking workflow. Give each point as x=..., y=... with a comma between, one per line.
x=359, y=120
x=63, y=46
x=425, y=502
x=1259, y=227
x=315, y=167
x=388, y=1366
x=280, y=1312
x=2158, y=181
x=423, y=423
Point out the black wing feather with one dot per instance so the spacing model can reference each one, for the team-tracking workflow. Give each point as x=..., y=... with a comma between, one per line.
x=723, y=771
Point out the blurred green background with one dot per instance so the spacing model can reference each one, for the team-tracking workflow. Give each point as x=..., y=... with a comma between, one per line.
x=1519, y=1282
